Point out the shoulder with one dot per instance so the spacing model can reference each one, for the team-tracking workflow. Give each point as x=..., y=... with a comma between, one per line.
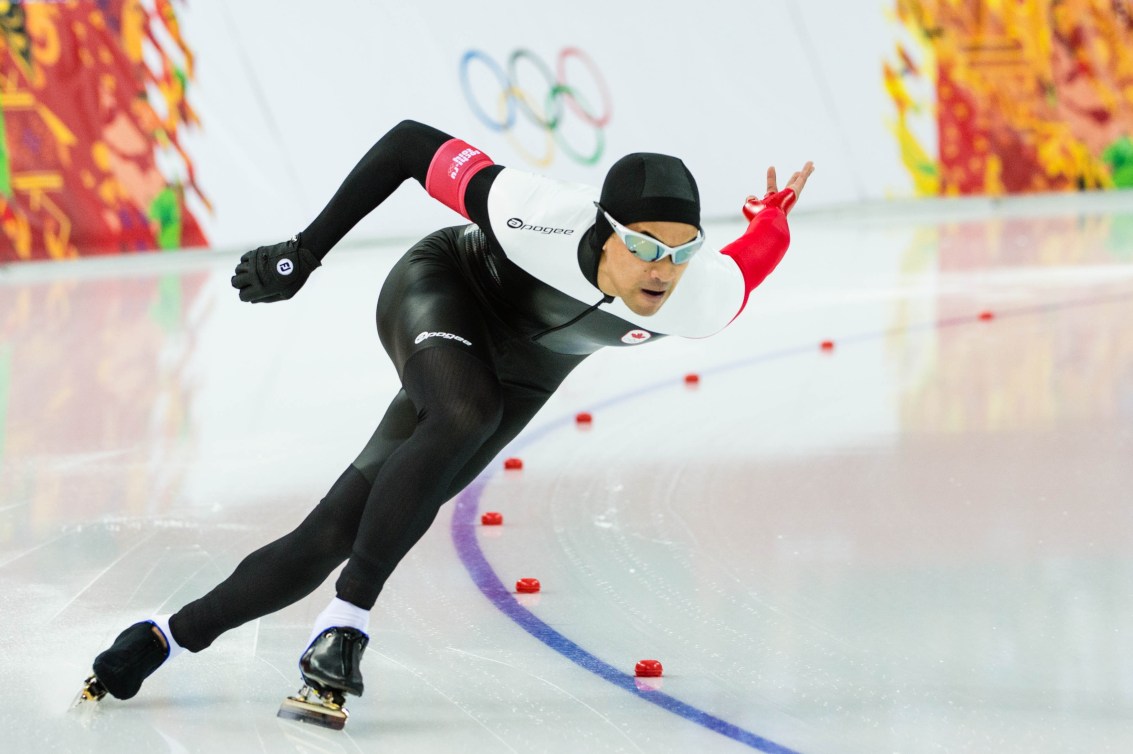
x=518, y=199
x=539, y=222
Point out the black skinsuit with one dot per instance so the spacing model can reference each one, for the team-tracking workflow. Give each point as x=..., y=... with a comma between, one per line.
x=483, y=322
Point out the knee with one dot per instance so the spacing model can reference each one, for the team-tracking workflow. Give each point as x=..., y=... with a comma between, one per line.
x=325, y=539
x=474, y=415
x=337, y=542
x=328, y=531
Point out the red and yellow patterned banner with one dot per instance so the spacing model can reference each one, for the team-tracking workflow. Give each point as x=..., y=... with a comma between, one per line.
x=93, y=101
x=1027, y=95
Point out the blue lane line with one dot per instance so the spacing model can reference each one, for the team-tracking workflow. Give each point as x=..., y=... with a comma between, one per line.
x=468, y=547
x=464, y=527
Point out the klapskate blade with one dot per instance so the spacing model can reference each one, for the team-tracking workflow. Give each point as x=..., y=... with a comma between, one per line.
x=92, y=691
x=315, y=714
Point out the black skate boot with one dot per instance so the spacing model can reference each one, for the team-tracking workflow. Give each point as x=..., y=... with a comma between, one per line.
x=331, y=669
x=120, y=670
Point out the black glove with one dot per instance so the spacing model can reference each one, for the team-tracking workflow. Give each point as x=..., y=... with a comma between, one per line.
x=274, y=273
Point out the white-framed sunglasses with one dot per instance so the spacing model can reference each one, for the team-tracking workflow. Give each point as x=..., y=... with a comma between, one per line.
x=649, y=249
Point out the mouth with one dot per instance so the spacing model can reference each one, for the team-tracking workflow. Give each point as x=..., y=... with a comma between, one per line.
x=652, y=294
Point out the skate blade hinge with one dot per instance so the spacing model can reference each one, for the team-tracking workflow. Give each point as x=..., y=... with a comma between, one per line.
x=326, y=711
x=92, y=691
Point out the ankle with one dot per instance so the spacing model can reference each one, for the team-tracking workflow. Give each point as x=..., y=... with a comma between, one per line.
x=160, y=637
x=162, y=630
x=341, y=614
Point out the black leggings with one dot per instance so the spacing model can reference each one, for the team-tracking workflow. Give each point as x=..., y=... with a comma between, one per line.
x=463, y=399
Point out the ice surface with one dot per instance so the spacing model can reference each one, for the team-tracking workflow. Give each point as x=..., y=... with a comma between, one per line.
x=918, y=542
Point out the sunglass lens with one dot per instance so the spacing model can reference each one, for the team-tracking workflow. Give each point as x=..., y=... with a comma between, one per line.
x=682, y=255
x=643, y=248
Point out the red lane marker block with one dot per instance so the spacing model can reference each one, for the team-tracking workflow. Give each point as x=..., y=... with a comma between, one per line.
x=491, y=518
x=584, y=418
x=528, y=586
x=692, y=379
x=987, y=316
x=826, y=345
x=513, y=464
x=648, y=669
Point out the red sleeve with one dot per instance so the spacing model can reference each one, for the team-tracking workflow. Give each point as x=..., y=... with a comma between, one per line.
x=452, y=168
x=760, y=249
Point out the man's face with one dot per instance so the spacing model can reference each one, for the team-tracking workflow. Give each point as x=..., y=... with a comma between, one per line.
x=643, y=286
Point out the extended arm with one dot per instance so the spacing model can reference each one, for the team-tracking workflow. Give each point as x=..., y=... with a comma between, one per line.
x=444, y=166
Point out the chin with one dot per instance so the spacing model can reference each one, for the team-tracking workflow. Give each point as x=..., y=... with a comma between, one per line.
x=646, y=308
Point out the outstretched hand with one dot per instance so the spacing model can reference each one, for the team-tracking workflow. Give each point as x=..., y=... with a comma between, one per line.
x=774, y=197
x=798, y=179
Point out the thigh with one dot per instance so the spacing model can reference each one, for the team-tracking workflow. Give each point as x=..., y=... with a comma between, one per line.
x=464, y=396
x=529, y=374
x=520, y=407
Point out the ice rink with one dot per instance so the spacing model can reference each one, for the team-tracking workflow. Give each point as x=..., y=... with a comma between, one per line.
x=918, y=541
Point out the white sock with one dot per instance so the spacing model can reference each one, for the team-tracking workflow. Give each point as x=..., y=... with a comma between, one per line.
x=162, y=622
x=341, y=613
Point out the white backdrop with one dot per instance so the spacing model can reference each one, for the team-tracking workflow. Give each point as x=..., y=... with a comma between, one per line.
x=291, y=94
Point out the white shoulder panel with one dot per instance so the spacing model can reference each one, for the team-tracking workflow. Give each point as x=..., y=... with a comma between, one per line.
x=539, y=222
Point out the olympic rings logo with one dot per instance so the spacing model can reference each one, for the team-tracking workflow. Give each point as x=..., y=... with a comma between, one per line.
x=547, y=110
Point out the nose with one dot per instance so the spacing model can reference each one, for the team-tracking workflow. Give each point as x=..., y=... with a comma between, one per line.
x=663, y=270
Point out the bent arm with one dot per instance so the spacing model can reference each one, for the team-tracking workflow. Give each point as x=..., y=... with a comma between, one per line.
x=444, y=166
